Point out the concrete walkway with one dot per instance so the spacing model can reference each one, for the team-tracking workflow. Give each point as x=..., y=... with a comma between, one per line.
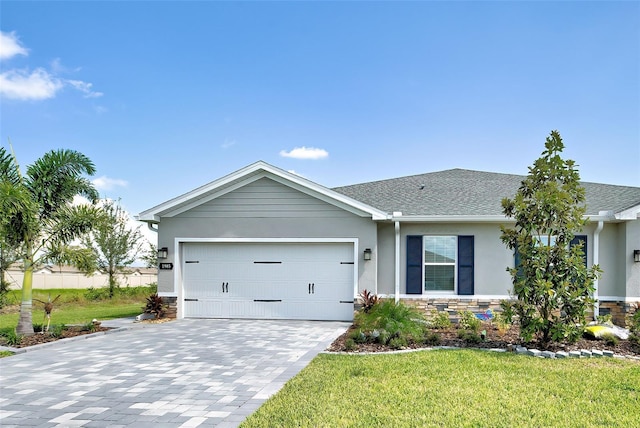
x=184, y=373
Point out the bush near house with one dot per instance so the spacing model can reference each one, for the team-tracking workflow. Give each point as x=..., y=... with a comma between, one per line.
x=389, y=323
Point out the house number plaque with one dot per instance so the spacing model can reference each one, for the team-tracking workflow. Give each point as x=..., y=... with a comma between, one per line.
x=167, y=266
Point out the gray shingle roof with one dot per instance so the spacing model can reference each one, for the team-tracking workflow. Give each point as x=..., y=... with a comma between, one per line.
x=466, y=192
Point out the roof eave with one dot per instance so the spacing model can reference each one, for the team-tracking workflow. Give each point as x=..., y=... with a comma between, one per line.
x=450, y=218
x=173, y=206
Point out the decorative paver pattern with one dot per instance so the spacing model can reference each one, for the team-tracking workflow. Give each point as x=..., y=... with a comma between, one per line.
x=185, y=373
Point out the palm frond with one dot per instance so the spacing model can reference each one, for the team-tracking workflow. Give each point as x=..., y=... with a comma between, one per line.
x=8, y=168
x=57, y=177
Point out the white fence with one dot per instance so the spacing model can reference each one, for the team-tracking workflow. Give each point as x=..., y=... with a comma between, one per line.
x=47, y=279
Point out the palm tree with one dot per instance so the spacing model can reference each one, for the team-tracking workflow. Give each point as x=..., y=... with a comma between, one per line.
x=37, y=216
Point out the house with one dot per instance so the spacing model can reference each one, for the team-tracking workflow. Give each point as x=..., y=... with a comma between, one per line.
x=264, y=243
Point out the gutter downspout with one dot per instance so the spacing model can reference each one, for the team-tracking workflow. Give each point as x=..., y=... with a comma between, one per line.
x=397, y=261
x=150, y=226
x=596, y=260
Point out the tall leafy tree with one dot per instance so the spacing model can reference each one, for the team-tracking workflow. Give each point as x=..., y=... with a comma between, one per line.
x=38, y=216
x=114, y=244
x=552, y=285
x=150, y=256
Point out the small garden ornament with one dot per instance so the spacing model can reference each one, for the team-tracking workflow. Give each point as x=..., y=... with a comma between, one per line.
x=48, y=307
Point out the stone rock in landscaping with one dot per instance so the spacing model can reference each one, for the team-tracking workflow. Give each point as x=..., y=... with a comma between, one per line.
x=548, y=354
x=562, y=354
x=145, y=316
x=521, y=350
x=607, y=353
x=574, y=354
x=596, y=353
x=535, y=353
x=585, y=353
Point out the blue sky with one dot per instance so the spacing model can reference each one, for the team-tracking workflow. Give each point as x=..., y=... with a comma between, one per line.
x=167, y=96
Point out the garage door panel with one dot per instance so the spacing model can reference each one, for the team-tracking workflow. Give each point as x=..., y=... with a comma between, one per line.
x=269, y=280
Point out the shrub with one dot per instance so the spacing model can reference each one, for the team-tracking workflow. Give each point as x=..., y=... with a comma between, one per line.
x=440, y=320
x=605, y=319
x=633, y=322
x=369, y=300
x=501, y=321
x=398, y=342
x=392, y=320
x=96, y=293
x=358, y=336
x=349, y=345
x=610, y=339
x=468, y=321
x=469, y=336
x=12, y=338
x=432, y=338
x=155, y=306
x=89, y=326
x=56, y=330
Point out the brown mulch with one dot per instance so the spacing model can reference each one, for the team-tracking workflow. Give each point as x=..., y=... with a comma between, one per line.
x=45, y=337
x=494, y=339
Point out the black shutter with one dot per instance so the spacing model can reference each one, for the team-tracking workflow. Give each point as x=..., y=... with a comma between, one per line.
x=576, y=240
x=414, y=264
x=517, y=262
x=465, y=265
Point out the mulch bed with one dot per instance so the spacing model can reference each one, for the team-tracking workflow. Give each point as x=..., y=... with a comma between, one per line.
x=494, y=339
x=39, y=338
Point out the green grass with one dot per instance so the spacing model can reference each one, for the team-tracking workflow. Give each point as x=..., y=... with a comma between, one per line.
x=73, y=306
x=461, y=388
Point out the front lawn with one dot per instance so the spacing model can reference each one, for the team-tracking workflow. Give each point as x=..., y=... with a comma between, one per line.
x=453, y=388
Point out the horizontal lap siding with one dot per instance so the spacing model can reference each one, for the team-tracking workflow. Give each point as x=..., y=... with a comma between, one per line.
x=267, y=199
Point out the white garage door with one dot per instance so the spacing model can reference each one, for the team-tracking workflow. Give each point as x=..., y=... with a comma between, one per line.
x=312, y=281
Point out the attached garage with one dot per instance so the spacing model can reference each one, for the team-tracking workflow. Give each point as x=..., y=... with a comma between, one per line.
x=263, y=243
x=268, y=280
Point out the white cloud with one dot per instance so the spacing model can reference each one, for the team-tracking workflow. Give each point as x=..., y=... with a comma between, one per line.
x=22, y=85
x=106, y=183
x=305, y=153
x=85, y=88
x=39, y=84
x=10, y=46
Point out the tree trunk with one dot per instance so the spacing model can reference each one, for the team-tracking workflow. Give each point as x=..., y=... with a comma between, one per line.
x=25, y=322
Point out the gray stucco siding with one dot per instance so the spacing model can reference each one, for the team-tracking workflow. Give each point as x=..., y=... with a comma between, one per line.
x=491, y=256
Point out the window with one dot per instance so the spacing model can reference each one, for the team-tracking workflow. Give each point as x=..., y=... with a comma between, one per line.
x=440, y=263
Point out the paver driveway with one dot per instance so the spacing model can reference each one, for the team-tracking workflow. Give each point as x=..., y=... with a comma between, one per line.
x=183, y=373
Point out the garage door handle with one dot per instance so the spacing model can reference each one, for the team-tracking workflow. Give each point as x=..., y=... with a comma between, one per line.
x=225, y=287
x=312, y=288
x=190, y=300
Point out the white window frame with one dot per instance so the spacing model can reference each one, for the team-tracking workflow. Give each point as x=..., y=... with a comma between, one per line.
x=455, y=267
